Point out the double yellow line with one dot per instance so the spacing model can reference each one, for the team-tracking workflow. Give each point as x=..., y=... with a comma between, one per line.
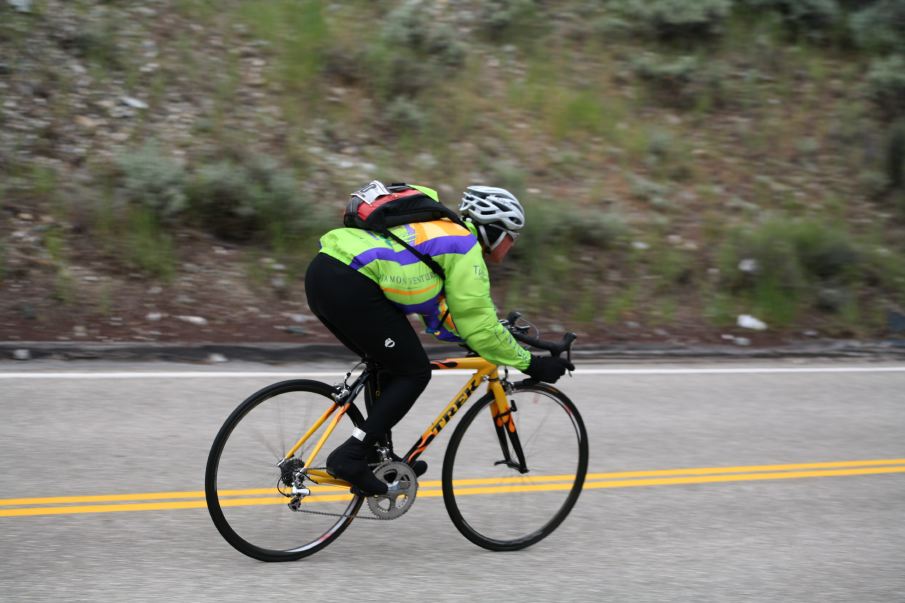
x=163, y=501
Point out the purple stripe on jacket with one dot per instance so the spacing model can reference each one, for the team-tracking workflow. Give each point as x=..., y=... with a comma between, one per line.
x=432, y=247
x=425, y=307
x=430, y=313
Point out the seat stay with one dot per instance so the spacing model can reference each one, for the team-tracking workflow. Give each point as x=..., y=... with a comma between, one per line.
x=310, y=432
x=343, y=399
x=327, y=432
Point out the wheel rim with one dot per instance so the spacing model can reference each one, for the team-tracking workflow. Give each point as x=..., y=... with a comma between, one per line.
x=499, y=507
x=256, y=517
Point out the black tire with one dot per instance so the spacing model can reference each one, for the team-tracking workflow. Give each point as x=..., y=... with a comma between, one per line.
x=555, y=444
x=242, y=463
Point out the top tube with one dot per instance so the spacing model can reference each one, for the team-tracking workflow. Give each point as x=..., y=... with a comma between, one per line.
x=465, y=362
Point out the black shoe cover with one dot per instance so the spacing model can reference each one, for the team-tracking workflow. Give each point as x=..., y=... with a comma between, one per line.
x=419, y=467
x=349, y=462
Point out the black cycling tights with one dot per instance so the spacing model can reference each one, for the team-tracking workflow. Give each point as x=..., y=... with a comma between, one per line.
x=355, y=309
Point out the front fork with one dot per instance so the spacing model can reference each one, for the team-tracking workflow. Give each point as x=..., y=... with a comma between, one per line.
x=501, y=411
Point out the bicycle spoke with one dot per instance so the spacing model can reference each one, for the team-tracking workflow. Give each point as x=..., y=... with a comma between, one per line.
x=248, y=498
x=498, y=507
x=527, y=443
x=267, y=443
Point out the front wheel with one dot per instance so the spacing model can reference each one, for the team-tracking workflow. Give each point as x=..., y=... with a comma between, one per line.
x=508, y=485
x=246, y=496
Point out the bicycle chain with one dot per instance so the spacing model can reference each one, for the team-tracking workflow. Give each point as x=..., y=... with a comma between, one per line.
x=340, y=515
x=357, y=516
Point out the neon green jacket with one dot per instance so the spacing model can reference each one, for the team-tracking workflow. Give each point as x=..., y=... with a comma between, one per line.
x=412, y=286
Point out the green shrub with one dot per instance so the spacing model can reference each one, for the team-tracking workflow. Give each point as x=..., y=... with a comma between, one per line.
x=244, y=201
x=404, y=116
x=676, y=20
x=794, y=262
x=826, y=253
x=414, y=26
x=297, y=32
x=885, y=179
x=807, y=17
x=880, y=27
x=886, y=85
x=95, y=41
x=3, y=254
x=611, y=28
x=413, y=51
x=557, y=230
x=499, y=19
x=895, y=156
x=589, y=227
x=153, y=180
x=685, y=81
x=145, y=246
x=649, y=190
x=507, y=174
x=798, y=251
x=669, y=76
x=885, y=269
x=42, y=182
x=222, y=196
x=579, y=112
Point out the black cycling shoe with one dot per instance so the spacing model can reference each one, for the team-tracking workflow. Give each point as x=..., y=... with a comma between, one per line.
x=350, y=462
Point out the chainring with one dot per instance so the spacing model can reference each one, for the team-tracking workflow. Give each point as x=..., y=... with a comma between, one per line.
x=402, y=487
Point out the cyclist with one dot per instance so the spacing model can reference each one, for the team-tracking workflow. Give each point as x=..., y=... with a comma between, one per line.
x=362, y=285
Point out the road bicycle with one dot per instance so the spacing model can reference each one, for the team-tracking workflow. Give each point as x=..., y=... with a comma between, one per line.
x=513, y=468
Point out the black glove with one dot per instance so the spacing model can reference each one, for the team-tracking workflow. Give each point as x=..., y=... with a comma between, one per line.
x=548, y=368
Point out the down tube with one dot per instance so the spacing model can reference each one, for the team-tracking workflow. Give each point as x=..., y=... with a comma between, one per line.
x=487, y=370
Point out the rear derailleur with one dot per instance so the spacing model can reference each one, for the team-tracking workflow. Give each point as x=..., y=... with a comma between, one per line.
x=291, y=484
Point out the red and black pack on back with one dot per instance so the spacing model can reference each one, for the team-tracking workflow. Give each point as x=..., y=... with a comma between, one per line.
x=378, y=207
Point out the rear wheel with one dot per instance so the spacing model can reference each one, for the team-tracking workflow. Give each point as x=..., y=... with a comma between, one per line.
x=492, y=502
x=245, y=494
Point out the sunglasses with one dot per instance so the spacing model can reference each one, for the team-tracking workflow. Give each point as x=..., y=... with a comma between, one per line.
x=494, y=235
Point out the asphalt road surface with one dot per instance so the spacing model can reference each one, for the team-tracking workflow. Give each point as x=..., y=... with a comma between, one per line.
x=707, y=482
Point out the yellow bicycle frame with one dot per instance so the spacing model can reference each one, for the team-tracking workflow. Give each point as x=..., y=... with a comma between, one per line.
x=484, y=371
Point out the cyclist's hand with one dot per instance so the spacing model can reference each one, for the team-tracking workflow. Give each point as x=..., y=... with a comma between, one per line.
x=548, y=368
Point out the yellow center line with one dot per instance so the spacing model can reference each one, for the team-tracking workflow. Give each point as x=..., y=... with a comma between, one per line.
x=748, y=468
x=464, y=482
x=623, y=479
x=742, y=477
x=48, y=500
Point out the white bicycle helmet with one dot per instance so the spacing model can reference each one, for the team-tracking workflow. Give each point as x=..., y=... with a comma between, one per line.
x=495, y=211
